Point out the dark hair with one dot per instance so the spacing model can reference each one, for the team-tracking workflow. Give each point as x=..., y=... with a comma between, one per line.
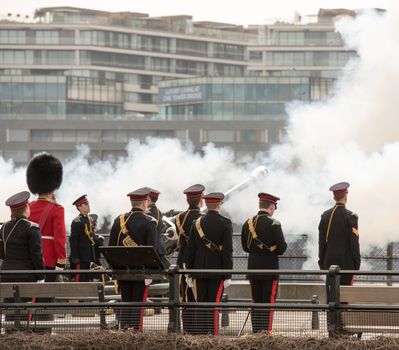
x=18, y=213
x=339, y=196
x=136, y=203
x=154, y=199
x=265, y=204
x=211, y=206
x=193, y=201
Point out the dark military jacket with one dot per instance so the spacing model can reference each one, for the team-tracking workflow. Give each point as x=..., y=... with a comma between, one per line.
x=218, y=230
x=81, y=240
x=21, y=249
x=339, y=239
x=268, y=245
x=157, y=215
x=184, y=222
x=141, y=229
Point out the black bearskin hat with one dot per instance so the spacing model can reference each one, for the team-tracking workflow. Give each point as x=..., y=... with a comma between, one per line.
x=44, y=174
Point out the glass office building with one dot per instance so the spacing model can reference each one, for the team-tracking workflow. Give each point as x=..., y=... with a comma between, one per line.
x=101, y=78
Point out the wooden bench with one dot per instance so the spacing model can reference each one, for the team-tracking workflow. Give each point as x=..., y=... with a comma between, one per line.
x=359, y=322
x=71, y=291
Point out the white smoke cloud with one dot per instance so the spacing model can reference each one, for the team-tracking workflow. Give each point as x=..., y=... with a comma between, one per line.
x=351, y=137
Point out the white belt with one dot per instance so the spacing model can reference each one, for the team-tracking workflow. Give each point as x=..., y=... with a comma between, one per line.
x=48, y=237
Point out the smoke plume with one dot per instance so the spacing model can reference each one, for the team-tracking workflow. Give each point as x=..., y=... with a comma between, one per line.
x=351, y=137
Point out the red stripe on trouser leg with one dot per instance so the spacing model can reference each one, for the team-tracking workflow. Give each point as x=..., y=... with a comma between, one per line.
x=77, y=276
x=352, y=280
x=216, y=312
x=272, y=299
x=142, y=309
x=30, y=314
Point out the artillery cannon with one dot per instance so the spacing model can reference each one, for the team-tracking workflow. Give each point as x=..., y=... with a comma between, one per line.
x=170, y=236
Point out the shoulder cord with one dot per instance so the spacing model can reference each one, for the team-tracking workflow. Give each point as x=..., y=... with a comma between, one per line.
x=123, y=223
x=210, y=245
x=88, y=231
x=330, y=221
x=5, y=239
x=251, y=226
x=180, y=225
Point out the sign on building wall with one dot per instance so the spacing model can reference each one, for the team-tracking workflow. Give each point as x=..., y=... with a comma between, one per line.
x=182, y=94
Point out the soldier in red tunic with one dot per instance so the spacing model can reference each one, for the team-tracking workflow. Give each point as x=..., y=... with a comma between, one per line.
x=44, y=176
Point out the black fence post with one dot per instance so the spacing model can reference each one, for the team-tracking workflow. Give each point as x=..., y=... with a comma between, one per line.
x=225, y=311
x=174, y=314
x=333, y=300
x=315, y=313
x=389, y=262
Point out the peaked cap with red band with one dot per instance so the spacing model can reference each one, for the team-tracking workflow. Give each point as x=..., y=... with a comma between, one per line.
x=18, y=200
x=153, y=193
x=214, y=197
x=194, y=191
x=81, y=200
x=139, y=194
x=340, y=187
x=266, y=197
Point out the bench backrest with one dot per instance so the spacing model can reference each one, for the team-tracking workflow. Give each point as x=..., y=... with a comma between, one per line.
x=384, y=295
x=50, y=289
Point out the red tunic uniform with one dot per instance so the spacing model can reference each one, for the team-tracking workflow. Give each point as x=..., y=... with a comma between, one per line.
x=51, y=219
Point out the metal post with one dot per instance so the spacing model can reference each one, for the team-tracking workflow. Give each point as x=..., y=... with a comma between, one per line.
x=315, y=313
x=389, y=262
x=174, y=314
x=333, y=300
x=17, y=299
x=225, y=311
x=101, y=299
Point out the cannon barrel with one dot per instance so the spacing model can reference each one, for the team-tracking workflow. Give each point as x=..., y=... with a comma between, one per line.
x=170, y=233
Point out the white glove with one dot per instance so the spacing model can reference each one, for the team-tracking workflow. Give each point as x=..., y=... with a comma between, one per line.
x=147, y=282
x=189, y=281
x=226, y=283
x=40, y=281
x=57, y=268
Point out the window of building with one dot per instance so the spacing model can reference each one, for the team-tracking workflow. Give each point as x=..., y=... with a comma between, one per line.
x=18, y=135
x=218, y=136
x=190, y=67
x=41, y=135
x=12, y=37
x=17, y=156
x=229, y=51
x=47, y=37
x=255, y=56
x=191, y=47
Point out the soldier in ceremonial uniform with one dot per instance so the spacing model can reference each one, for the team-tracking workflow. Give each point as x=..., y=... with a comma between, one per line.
x=184, y=222
x=20, y=241
x=157, y=215
x=210, y=246
x=82, y=238
x=339, y=235
x=44, y=176
x=263, y=238
x=131, y=229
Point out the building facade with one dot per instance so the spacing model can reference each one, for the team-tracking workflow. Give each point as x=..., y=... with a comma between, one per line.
x=76, y=76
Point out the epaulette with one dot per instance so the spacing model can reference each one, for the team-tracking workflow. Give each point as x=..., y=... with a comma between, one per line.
x=152, y=219
x=77, y=219
x=225, y=217
x=275, y=222
x=31, y=223
x=354, y=214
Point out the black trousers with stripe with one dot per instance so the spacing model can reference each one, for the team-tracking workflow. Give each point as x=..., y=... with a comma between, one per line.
x=263, y=291
x=132, y=317
x=208, y=290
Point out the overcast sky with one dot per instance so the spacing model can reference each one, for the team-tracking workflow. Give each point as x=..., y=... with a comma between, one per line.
x=240, y=11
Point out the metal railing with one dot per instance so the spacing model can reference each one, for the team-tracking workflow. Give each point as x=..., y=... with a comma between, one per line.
x=292, y=316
